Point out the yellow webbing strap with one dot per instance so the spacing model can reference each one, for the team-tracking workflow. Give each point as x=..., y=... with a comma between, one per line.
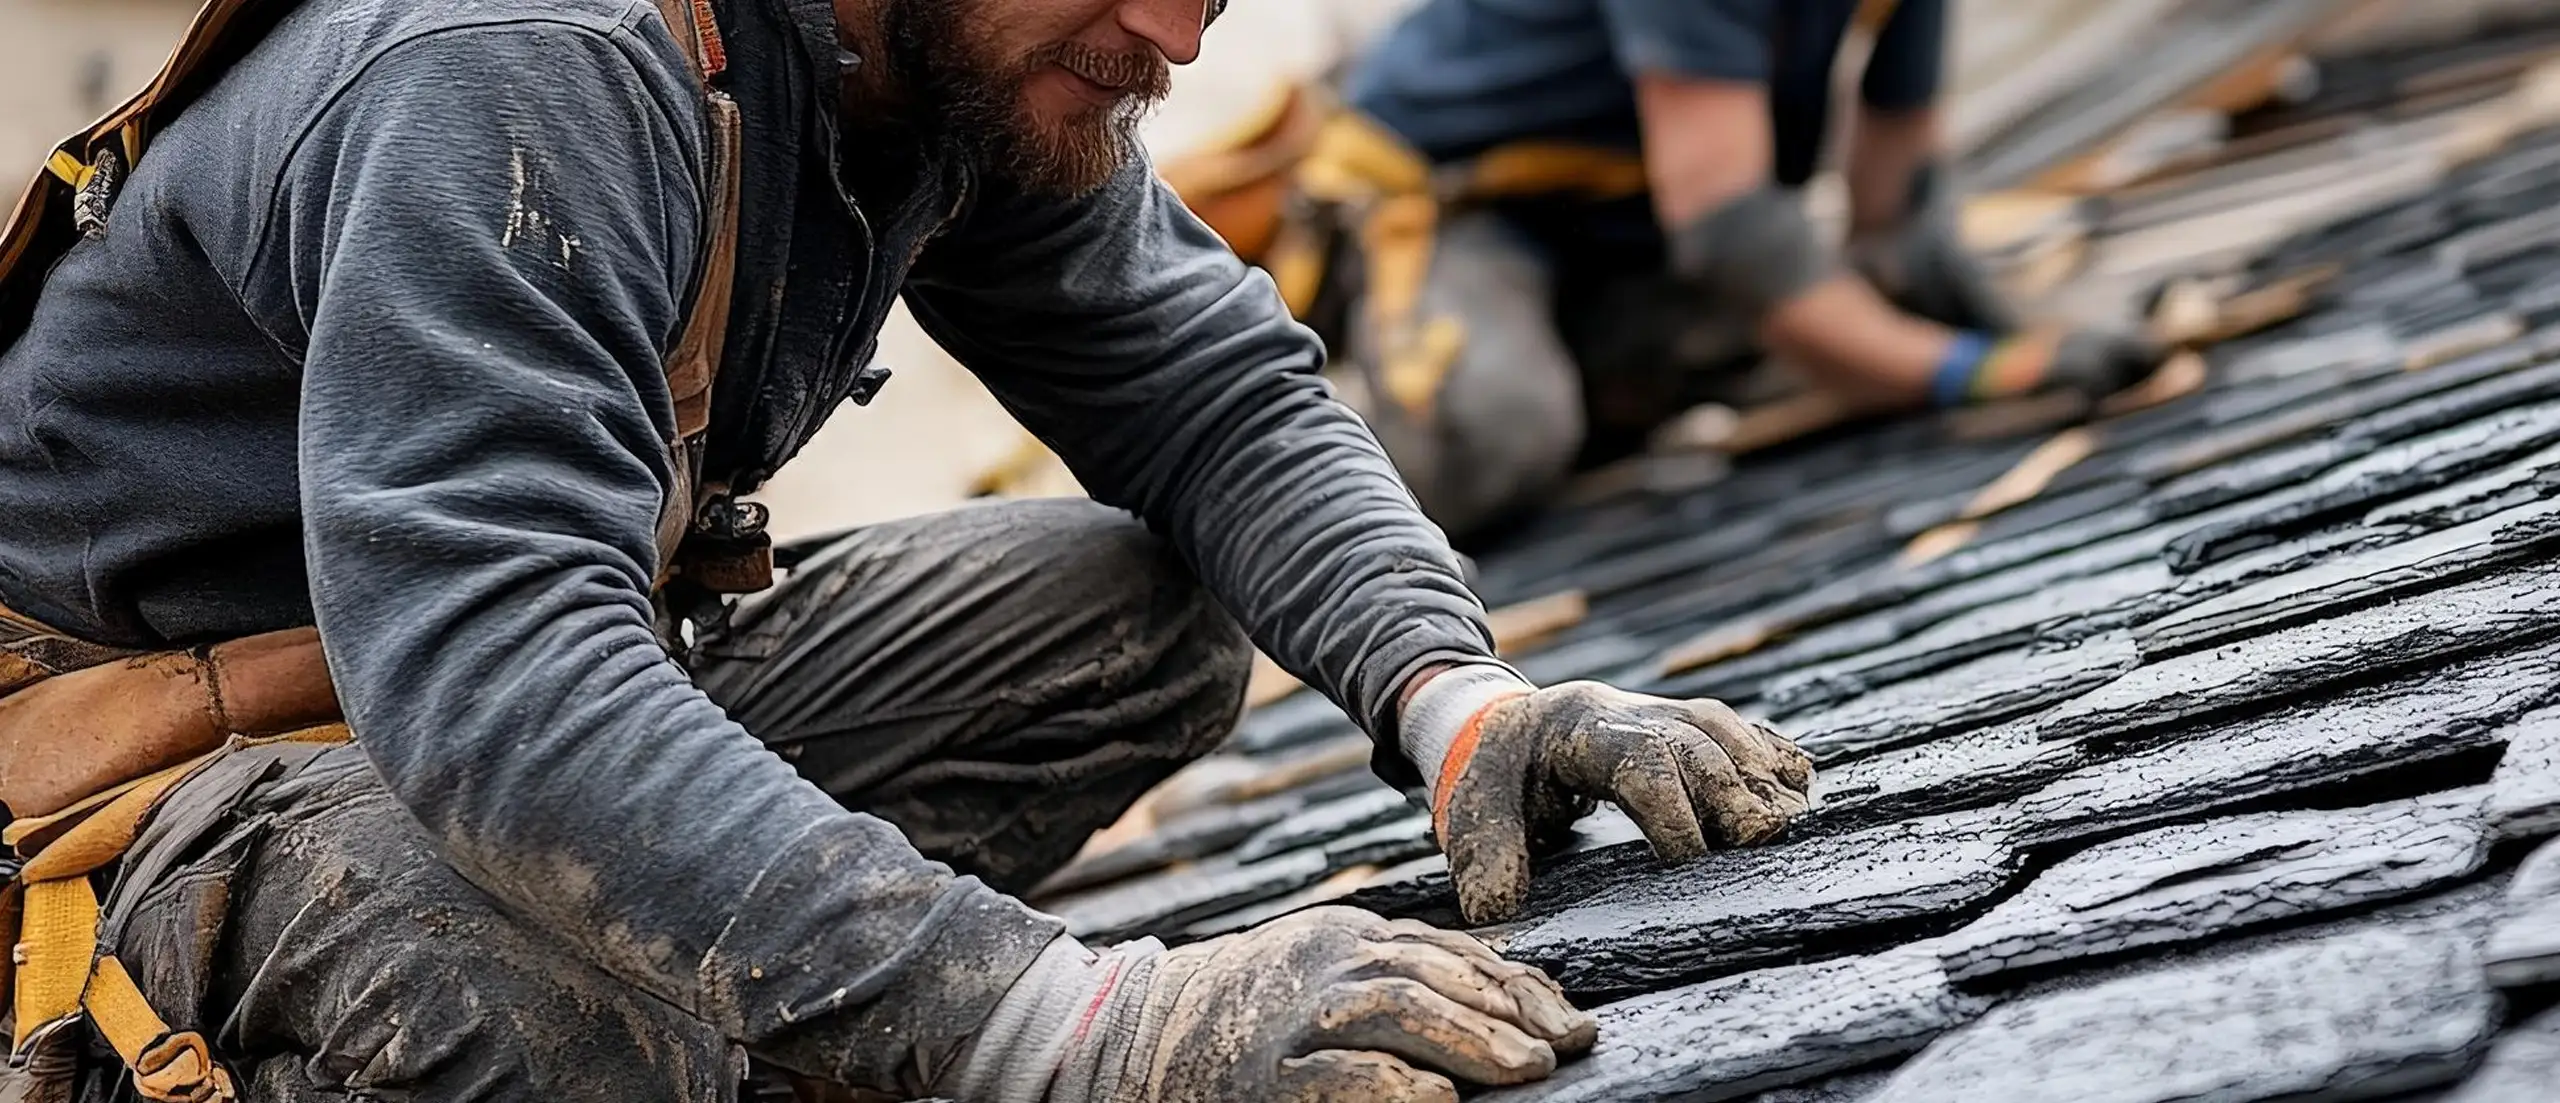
x=1398, y=196
x=59, y=972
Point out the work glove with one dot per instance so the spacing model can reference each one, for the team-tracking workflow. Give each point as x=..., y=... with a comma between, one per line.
x=1922, y=266
x=2094, y=363
x=1329, y=1005
x=1512, y=767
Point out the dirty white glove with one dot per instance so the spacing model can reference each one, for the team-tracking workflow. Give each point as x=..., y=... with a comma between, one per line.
x=1329, y=1005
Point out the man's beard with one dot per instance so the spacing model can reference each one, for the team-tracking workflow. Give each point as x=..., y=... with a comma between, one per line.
x=972, y=101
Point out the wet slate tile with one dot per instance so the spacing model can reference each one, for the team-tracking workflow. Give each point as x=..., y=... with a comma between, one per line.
x=2014, y=623
x=2416, y=724
x=2249, y=476
x=2358, y=1016
x=1318, y=824
x=2322, y=416
x=1890, y=603
x=2198, y=881
x=1730, y=1038
x=2421, y=631
x=2361, y=578
x=2275, y=560
x=2531, y=479
x=1646, y=929
x=2524, y=796
x=1971, y=695
x=1944, y=775
x=2524, y=948
x=2405, y=467
x=1169, y=900
x=2521, y=1067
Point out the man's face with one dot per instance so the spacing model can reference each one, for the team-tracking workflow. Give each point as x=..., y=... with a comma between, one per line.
x=1045, y=93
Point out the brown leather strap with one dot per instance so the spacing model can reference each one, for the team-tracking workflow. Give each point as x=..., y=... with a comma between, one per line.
x=85, y=731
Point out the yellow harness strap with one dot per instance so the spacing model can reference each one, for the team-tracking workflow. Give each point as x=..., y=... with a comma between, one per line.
x=1395, y=195
x=58, y=970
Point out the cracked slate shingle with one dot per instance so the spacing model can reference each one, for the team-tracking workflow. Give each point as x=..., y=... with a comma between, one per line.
x=2415, y=724
x=2198, y=881
x=2524, y=797
x=2357, y=1016
x=1647, y=929
x=1728, y=1038
x=2521, y=1067
x=2524, y=949
x=2356, y=579
x=2416, y=631
x=1975, y=694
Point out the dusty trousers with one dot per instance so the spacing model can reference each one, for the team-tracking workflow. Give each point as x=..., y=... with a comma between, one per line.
x=997, y=682
x=1577, y=344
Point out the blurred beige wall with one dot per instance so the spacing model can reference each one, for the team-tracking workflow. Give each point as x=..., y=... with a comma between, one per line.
x=65, y=62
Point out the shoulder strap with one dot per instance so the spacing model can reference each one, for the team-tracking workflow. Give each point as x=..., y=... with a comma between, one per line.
x=695, y=538
x=68, y=190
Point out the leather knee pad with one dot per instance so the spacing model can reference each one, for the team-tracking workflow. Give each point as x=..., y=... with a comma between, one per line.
x=1753, y=252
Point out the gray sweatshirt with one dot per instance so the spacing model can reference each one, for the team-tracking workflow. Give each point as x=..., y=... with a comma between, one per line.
x=373, y=342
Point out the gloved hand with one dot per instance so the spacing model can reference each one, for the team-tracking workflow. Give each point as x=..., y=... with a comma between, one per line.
x=1511, y=768
x=1922, y=266
x=1329, y=1005
x=2089, y=362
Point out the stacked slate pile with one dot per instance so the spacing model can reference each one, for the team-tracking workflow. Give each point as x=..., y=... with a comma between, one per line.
x=2209, y=750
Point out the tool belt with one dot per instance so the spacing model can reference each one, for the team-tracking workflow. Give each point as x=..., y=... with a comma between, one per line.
x=94, y=738
x=1344, y=214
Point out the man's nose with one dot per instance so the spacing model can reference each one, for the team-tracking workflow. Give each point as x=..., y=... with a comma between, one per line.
x=1172, y=26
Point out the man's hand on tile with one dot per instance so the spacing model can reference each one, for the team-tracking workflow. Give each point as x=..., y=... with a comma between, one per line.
x=1513, y=767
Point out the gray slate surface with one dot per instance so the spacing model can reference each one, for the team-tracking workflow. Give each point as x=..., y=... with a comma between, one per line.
x=1739, y=909
x=1728, y=1038
x=2199, y=881
x=2353, y=1017
x=2524, y=949
x=2524, y=797
x=2414, y=632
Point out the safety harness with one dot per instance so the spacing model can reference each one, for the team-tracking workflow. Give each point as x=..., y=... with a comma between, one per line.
x=1338, y=208
x=92, y=738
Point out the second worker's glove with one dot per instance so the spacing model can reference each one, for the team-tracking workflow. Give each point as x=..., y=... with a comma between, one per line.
x=1922, y=266
x=1511, y=767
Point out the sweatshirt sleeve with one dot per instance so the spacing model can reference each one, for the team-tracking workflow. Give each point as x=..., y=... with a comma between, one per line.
x=1170, y=378
x=486, y=241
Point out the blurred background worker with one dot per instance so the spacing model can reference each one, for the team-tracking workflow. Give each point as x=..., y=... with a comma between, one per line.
x=1510, y=288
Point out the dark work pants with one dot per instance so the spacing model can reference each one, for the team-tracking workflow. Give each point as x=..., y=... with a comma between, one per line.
x=999, y=682
x=1568, y=361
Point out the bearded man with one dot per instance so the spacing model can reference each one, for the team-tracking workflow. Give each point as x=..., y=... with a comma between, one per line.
x=392, y=337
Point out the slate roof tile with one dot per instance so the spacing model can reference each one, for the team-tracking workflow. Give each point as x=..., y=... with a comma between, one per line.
x=2353, y=1017
x=1725, y=1039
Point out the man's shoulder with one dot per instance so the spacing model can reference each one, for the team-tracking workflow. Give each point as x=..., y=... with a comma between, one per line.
x=338, y=38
